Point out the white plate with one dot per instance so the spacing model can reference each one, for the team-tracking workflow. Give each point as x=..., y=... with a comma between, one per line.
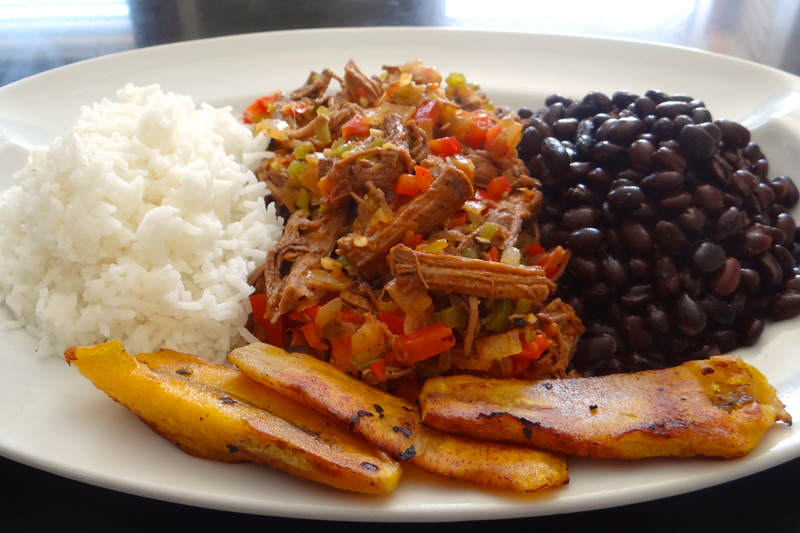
x=55, y=420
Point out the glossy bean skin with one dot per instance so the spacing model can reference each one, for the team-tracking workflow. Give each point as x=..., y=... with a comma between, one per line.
x=682, y=244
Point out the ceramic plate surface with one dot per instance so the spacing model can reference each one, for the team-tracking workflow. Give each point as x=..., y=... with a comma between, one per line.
x=54, y=419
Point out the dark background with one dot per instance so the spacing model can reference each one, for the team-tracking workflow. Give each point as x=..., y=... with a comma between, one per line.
x=39, y=35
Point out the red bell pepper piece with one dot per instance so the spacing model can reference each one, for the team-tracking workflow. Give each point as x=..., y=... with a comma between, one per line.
x=457, y=220
x=494, y=255
x=534, y=249
x=348, y=315
x=341, y=351
x=358, y=126
x=423, y=177
x=379, y=369
x=313, y=338
x=429, y=110
x=444, y=146
x=497, y=187
x=393, y=322
x=407, y=185
x=533, y=350
x=427, y=342
x=475, y=136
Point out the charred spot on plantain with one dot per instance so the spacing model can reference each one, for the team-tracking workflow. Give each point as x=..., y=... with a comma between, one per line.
x=660, y=389
x=548, y=386
x=183, y=372
x=409, y=453
x=369, y=466
x=227, y=400
x=363, y=413
x=593, y=407
x=402, y=430
x=529, y=423
x=378, y=409
x=409, y=409
x=526, y=431
x=353, y=421
x=706, y=370
x=232, y=448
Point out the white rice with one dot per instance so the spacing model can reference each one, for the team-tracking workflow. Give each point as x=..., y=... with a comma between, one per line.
x=141, y=224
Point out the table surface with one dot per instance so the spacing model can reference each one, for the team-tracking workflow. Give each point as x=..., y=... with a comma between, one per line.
x=39, y=35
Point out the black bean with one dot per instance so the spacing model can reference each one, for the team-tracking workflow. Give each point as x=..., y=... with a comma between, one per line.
x=689, y=316
x=786, y=224
x=579, y=217
x=671, y=109
x=661, y=183
x=793, y=284
x=695, y=142
x=657, y=319
x=597, y=293
x=708, y=257
x=663, y=129
x=718, y=310
x=727, y=279
x=784, y=259
x=555, y=156
x=765, y=195
x=666, y=275
x=701, y=114
x=554, y=112
x=622, y=99
x=644, y=106
x=770, y=270
x=728, y=223
x=625, y=130
x=557, y=98
x=625, y=198
x=754, y=242
x=565, y=128
x=733, y=133
x=524, y=112
x=669, y=159
x=713, y=130
x=668, y=236
x=599, y=100
x=636, y=333
x=709, y=198
x=750, y=281
x=691, y=282
x=530, y=143
x=596, y=348
x=725, y=339
x=580, y=194
x=586, y=240
x=682, y=120
x=583, y=268
x=640, y=154
x=636, y=297
x=744, y=182
x=750, y=329
x=692, y=220
x=677, y=201
x=598, y=178
x=639, y=268
x=786, y=305
x=631, y=175
x=636, y=236
x=606, y=152
x=720, y=169
x=656, y=96
x=760, y=168
x=614, y=271
x=646, y=213
x=600, y=119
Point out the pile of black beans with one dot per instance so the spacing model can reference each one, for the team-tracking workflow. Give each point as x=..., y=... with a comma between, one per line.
x=681, y=245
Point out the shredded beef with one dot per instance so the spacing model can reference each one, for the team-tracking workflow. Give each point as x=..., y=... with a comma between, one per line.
x=473, y=277
x=421, y=215
x=554, y=361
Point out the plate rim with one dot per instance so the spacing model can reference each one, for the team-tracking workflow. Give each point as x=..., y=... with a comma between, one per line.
x=446, y=512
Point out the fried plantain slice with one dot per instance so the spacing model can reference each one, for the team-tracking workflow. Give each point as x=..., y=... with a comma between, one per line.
x=718, y=407
x=393, y=424
x=208, y=411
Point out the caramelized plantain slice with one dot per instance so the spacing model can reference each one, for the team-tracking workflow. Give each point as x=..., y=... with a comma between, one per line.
x=718, y=407
x=393, y=424
x=210, y=411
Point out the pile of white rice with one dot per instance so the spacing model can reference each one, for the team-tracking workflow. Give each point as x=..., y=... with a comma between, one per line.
x=141, y=224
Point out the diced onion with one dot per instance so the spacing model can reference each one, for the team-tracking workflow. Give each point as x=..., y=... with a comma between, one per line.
x=511, y=256
x=328, y=312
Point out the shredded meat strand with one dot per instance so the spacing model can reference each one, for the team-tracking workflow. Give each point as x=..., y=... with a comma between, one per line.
x=421, y=215
x=303, y=244
x=473, y=277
